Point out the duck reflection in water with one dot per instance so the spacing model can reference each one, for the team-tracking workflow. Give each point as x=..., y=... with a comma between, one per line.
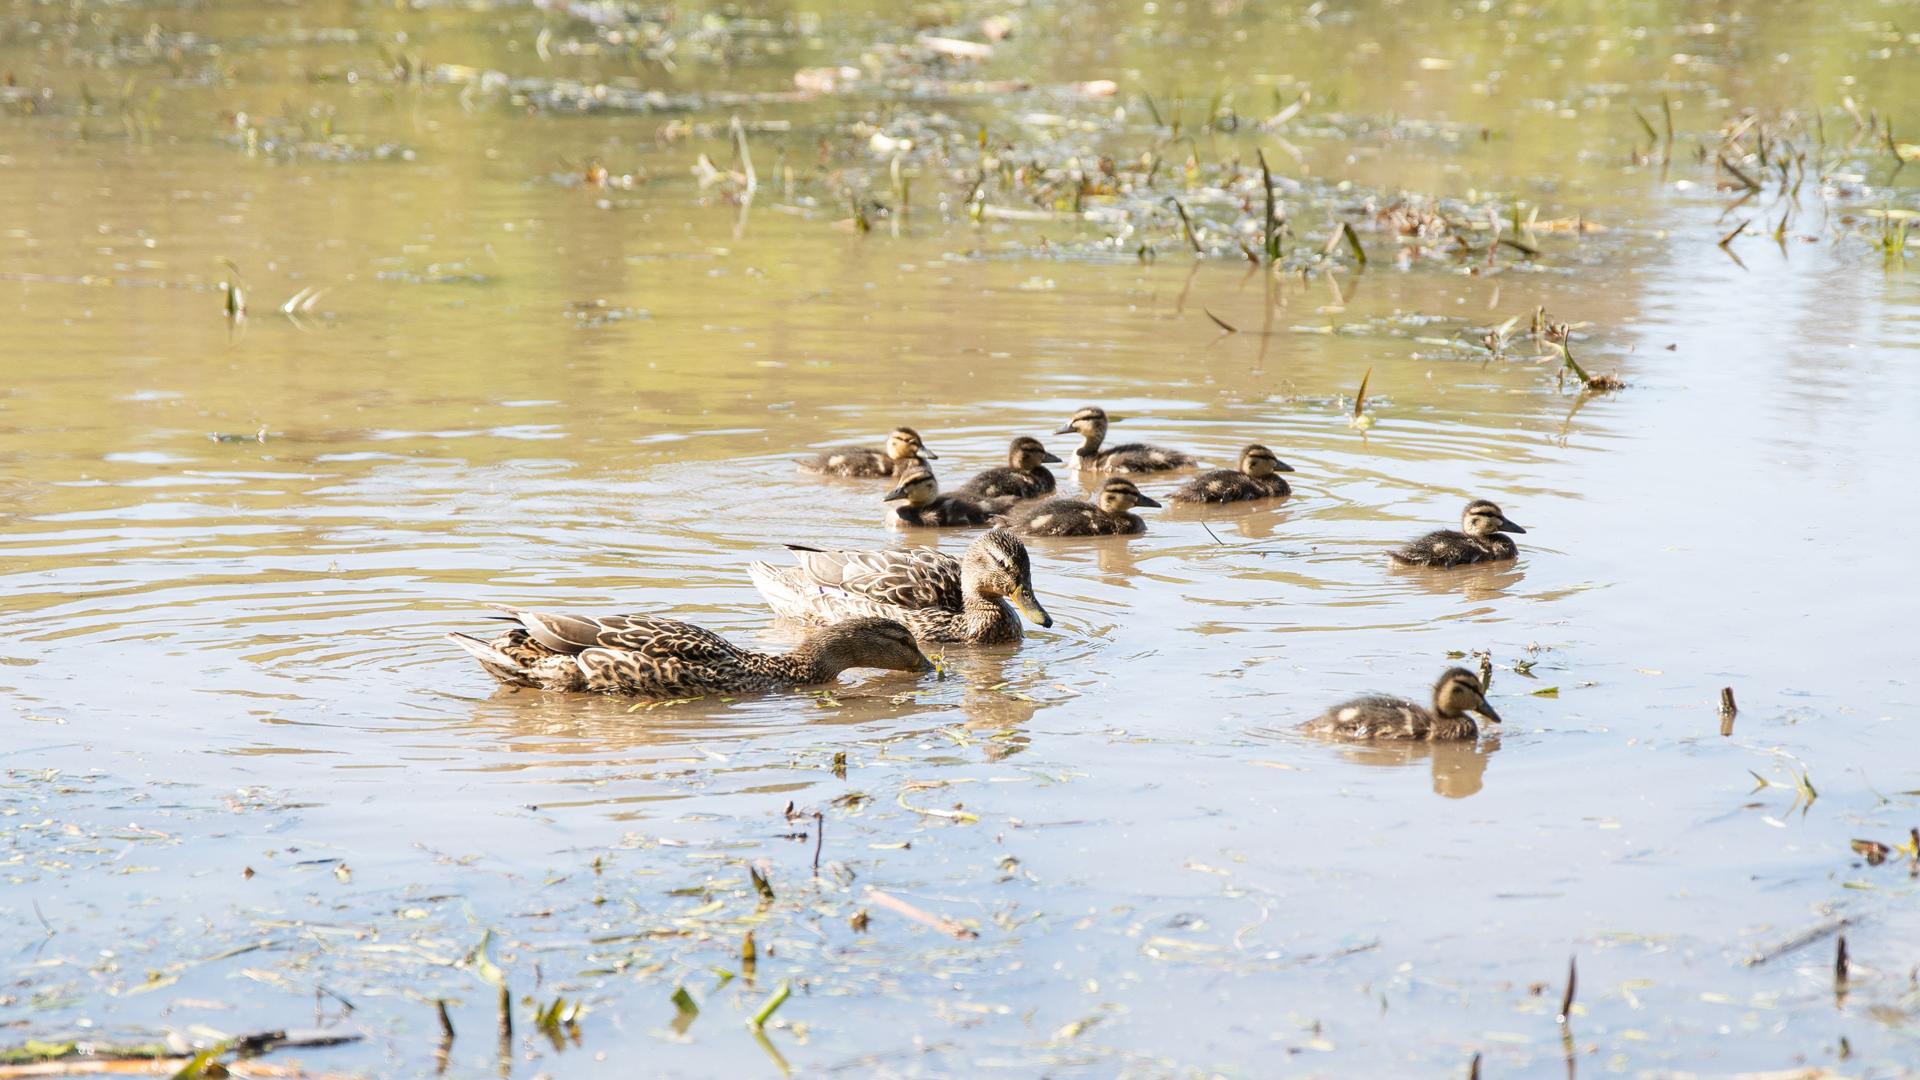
x=1484, y=581
x=1459, y=768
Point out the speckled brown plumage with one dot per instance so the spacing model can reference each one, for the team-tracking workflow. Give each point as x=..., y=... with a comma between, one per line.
x=647, y=656
x=1257, y=478
x=924, y=505
x=1025, y=475
x=1377, y=716
x=1111, y=516
x=938, y=597
x=1091, y=424
x=902, y=451
x=1480, y=540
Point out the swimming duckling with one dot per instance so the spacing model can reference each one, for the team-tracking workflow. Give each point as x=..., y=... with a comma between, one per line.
x=1091, y=424
x=1379, y=717
x=938, y=597
x=1112, y=516
x=648, y=656
x=903, y=445
x=1024, y=477
x=1480, y=541
x=926, y=506
x=1257, y=478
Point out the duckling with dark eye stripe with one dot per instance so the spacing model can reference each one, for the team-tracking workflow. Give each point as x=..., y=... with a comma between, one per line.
x=1025, y=475
x=1479, y=540
x=1376, y=716
x=900, y=455
x=1091, y=424
x=1257, y=478
x=924, y=505
x=1111, y=516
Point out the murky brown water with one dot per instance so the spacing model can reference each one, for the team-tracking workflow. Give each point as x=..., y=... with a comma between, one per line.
x=516, y=387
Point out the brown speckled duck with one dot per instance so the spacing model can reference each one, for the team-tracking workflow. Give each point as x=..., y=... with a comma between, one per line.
x=1479, y=540
x=1379, y=717
x=1257, y=478
x=900, y=455
x=646, y=656
x=938, y=597
x=922, y=504
x=1112, y=515
x=1025, y=475
x=1091, y=425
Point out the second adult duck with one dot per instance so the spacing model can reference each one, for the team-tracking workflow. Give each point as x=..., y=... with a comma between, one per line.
x=940, y=598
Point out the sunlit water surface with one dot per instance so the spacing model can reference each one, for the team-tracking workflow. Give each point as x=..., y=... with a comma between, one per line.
x=233, y=720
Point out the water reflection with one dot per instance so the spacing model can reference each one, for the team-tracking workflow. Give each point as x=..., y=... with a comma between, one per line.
x=1459, y=769
x=1478, y=582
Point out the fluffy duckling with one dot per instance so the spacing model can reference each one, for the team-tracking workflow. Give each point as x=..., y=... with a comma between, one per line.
x=665, y=658
x=1025, y=476
x=1379, y=717
x=1111, y=516
x=902, y=452
x=971, y=599
x=1091, y=425
x=1479, y=540
x=1257, y=478
x=924, y=505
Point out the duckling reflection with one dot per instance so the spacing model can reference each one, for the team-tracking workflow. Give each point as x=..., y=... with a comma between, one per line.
x=1459, y=769
x=1253, y=520
x=1477, y=582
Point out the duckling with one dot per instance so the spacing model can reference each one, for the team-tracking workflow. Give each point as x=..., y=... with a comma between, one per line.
x=937, y=597
x=1024, y=477
x=1479, y=541
x=1071, y=517
x=1379, y=717
x=926, y=506
x=646, y=656
x=1257, y=478
x=903, y=445
x=1091, y=423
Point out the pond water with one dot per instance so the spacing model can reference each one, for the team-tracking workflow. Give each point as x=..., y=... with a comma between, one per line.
x=250, y=786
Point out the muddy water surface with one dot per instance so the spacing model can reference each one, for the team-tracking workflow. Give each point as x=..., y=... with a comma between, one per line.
x=248, y=785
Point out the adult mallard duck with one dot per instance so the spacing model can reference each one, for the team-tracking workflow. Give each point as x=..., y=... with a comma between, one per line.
x=902, y=451
x=1111, y=516
x=922, y=504
x=649, y=656
x=1379, y=717
x=938, y=597
x=1257, y=478
x=1479, y=540
x=1091, y=424
x=1025, y=475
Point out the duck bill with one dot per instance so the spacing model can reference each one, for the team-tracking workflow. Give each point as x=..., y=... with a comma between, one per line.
x=926, y=665
x=1486, y=710
x=928, y=454
x=1050, y=458
x=1145, y=501
x=1068, y=430
x=895, y=495
x=1029, y=607
x=1510, y=527
x=1281, y=466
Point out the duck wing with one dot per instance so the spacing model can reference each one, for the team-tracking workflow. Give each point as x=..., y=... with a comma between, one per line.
x=914, y=579
x=645, y=634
